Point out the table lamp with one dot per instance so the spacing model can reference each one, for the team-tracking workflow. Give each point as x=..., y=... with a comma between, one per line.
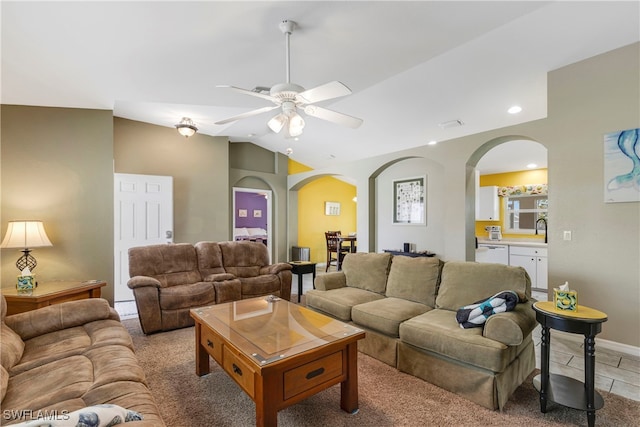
x=25, y=235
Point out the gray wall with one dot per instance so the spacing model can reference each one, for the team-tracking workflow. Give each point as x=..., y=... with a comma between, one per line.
x=585, y=101
x=199, y=167
x=56, y=167
x=254, y=167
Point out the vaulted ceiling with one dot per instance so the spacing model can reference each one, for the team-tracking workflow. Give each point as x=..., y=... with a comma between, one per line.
x=411, y=65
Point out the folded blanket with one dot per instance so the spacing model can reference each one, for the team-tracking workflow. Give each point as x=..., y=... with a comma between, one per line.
x=474, y=315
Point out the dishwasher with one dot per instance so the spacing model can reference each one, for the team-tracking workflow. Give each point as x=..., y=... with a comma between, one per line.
x=489, y=252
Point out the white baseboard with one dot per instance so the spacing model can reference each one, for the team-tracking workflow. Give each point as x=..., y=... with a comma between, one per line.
x=602, y=343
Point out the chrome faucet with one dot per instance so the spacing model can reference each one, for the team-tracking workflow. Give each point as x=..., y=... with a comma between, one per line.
x=545, y=228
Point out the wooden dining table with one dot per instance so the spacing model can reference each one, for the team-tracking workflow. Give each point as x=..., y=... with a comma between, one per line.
x=352, y=248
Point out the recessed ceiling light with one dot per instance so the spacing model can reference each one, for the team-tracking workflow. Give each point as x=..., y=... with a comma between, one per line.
x=515, y=109
x=432, y=142
x=532, y=166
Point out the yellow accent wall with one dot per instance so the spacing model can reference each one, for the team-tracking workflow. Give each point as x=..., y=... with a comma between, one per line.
x=509, y=179
x=312, y=222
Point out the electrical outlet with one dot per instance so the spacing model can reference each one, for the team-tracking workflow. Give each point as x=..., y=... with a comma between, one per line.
x=566, y=235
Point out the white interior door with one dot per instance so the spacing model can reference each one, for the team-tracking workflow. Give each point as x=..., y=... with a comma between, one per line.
x=143, y=216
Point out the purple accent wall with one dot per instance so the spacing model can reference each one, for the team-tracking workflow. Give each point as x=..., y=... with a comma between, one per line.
x=251, y=202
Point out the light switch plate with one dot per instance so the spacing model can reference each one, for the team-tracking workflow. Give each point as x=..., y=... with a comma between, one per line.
x=566, y=235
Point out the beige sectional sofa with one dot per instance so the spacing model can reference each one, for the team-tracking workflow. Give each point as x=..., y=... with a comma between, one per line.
x=408, y=308
x=169, y=280
x=66, y=357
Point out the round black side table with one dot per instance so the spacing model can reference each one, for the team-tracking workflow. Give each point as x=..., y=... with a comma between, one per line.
x=559, y=388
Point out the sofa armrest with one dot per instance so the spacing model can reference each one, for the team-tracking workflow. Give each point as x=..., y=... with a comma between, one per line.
x=275, y=268
x=511, y=327
x=333, y=280
x=140, y=281
x=58, y=317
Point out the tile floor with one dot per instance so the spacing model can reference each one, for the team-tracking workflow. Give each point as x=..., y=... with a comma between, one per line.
x=617, y=373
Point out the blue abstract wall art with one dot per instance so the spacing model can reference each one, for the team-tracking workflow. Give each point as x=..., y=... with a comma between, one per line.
x=622, y=166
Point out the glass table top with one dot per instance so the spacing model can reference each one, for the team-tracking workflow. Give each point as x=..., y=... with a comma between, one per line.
x=269, y=329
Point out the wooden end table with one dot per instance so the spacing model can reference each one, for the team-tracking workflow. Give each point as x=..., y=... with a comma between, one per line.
x=559, y=388
x=300, y=268
x=278, y=352
x=49, y=293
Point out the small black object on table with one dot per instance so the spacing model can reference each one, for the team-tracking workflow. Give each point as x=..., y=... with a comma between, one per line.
x=558, y=388
x=303, y=267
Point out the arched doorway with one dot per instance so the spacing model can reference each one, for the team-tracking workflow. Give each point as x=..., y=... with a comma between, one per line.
x=505, y=162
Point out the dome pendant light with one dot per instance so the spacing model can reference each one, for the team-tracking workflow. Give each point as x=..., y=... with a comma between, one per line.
x=186, y=127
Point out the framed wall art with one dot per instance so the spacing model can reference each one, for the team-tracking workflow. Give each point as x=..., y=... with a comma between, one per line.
x=257, y=213
x=409, y=200
x=331, y=208
x=622, y=166
x=242, y=213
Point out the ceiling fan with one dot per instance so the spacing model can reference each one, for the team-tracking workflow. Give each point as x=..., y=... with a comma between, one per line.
x=290, y=97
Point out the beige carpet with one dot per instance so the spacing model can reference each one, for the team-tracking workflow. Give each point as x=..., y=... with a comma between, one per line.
x=387, y=397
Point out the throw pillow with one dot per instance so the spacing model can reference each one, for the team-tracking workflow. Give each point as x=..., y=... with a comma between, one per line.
x=91, y=416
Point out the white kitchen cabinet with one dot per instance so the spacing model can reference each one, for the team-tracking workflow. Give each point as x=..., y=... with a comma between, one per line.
x=489, y=204
x=534, y=260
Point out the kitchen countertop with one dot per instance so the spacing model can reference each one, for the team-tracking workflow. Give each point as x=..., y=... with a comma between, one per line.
x=515, y=242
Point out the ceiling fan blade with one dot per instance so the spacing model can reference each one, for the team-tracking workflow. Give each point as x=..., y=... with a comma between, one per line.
x=250, y=93
x=332, y=116
x=330, y=90
x=247, y=114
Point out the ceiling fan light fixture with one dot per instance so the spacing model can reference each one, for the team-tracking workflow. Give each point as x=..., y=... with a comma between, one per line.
x=186, y=127
x=296, y=124
x=277, y=122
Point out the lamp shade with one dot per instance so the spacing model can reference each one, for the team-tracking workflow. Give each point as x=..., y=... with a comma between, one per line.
x=25, y=234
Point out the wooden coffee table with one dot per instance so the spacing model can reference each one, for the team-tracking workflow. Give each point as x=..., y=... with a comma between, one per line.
x=278, y=352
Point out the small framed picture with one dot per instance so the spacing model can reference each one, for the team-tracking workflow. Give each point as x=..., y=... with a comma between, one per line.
x=257, y=213
x=331, y=208
x=242, y=213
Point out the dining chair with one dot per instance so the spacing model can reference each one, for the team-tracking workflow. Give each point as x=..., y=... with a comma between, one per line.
x=334, y=247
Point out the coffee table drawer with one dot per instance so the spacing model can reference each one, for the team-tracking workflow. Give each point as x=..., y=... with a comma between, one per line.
x=239, y=371
x=305, y=377
x=212, y=343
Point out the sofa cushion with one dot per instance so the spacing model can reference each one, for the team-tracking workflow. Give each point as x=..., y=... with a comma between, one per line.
x=464, y=283
x=386, y=314
x=439, y=332
x=260, y=285
x=172, y=264
x=209, y=257
x=367, y=271
x=63, y=343
x=4, y=382
x=11, y=347
x=244, y=259
x=73, y=377
x=187, y=296
x=414, y=279
x=338, y=302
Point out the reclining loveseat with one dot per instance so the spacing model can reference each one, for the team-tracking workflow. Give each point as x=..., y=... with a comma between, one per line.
x=169, y=280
